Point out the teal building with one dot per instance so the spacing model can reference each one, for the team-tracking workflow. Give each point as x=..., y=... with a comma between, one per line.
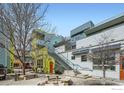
x=4, y=54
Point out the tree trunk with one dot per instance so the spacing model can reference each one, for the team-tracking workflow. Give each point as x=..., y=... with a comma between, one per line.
x=104, y=81
x=104, y=71
x=23, y=69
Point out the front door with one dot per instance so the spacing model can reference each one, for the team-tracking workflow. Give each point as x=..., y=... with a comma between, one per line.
x=122, y=68
x=51, y=67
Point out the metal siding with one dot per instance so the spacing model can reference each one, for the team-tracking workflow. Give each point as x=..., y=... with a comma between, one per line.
x=3, y=57
x=107, y=24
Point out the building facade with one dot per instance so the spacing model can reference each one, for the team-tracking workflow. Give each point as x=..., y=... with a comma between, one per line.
x=4, y=54
x=43, y=62
x=106, y=41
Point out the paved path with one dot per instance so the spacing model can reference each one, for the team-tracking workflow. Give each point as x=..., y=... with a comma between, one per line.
x=76, y=81
x=21, y=82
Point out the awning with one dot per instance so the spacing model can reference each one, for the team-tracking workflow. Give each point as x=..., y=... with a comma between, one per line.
x=110, y=47
x=80, y=51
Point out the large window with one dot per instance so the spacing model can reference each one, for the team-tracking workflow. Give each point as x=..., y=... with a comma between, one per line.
x=107, y=67
x=83, y=58
x=106, y=58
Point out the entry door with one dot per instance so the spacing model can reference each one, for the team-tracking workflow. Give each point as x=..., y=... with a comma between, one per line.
x=122, y=68
x=51, y=67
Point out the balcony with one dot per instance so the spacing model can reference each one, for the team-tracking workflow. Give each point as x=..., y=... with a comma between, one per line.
x=41, y=43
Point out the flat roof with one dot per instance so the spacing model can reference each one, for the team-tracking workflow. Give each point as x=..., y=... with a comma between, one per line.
x=106, y=24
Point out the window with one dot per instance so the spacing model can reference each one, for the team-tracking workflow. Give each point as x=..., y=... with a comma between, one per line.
x=16, y=65
x=74, y=47
x=97, y=61
x=83, y=58
x=73, y=57
x=108, y=58
x=122, y=65
x=40, y=63
x=112, y=67
x=122, y=61
x=96, y=67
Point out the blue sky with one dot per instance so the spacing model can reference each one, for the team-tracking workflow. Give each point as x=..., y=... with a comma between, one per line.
x=68, y=16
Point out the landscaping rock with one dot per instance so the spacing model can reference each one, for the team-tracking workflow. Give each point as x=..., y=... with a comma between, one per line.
x=67, y=81
x=92, y=82
x=69, y=73
x=22, y=77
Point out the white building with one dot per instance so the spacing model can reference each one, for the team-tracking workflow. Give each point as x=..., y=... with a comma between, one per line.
x=107, y=36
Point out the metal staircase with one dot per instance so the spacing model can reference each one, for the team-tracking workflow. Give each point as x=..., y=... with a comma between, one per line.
x=66, y=63
x=63, y=61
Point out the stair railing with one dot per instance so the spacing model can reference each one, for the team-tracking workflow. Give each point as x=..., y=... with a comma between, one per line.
x=67, y=61
x=71, y=64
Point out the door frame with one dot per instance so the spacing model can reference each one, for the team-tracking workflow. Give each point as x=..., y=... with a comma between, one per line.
x=121, y=67
x=51, y=67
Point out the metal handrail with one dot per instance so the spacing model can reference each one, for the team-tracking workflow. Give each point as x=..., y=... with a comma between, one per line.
x=68, y=61
x=71, y=64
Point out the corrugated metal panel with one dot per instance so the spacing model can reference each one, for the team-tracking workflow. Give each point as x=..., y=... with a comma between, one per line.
x=106, y=24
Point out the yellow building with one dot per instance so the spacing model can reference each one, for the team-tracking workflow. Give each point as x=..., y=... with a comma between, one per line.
x=42, y=61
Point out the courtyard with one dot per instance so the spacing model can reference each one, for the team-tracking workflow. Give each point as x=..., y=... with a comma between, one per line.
x=61, y=80
x=31, y=54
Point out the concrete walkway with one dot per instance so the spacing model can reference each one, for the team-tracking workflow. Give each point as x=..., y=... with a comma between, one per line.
x=77, y=80
x=21, y=82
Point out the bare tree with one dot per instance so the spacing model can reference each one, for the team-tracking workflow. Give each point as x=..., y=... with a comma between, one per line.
x=101, y=55
x=17, y=23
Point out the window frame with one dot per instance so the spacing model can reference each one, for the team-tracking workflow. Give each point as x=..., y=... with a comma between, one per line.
x=73, y=57
x=85, y=55
x=108, y=62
